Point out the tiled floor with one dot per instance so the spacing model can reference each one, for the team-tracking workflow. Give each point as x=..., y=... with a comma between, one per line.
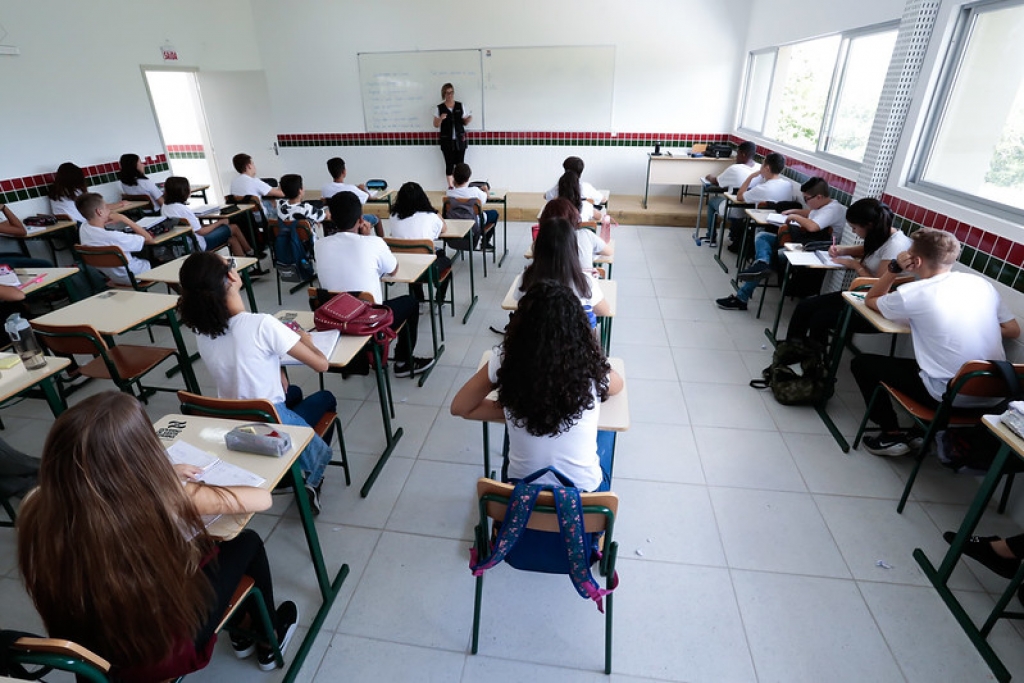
x=749, y=542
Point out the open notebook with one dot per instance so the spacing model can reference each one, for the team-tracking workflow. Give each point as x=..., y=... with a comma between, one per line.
x=215, y=471
x=325, y=340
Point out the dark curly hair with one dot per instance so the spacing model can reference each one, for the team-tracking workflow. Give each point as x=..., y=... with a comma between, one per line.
x=552, y=362
x=556, y=258
x=411, y=199
x=202, y=305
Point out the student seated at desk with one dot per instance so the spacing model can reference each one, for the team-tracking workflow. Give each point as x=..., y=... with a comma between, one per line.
x=871, y=220
x=292, y=208
x=569, y=190
x=68, y=185
x=556, y=258
x=413, y=217
x=94, y=234
x=763, y=185
x=551, y=376
x=587, y=191
x=246, y=184
x=134, y=181
x=336, y=167
x=211, y=236
x=461, y=176
x=115, y=554
x=729, y=179
x=351, y=259
x=243, y=353
x=11, y=226
x=588, y=244
x=953, y=318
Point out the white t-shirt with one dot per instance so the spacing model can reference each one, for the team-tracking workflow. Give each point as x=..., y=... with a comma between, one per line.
x=832, y=215
x=245, y=362
x=248, y=185
x=422, y=225
x=589, y=245
x=177, y=210
x=774, y=190
x=147, y=187
x=890, y=249
x=588, y=303
x=66, y=206
x=332, y=188
x=587, y=191
x=468, y=192
x=91, y=236
x=573, y=452
x=954, y=318
x=733, y=177
x=350, y=262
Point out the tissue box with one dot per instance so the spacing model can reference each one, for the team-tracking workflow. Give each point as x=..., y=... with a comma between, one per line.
x=258, y=438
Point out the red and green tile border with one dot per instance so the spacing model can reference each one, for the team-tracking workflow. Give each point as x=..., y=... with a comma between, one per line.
x=513, y=138
x=30, y=187
x=186, y=152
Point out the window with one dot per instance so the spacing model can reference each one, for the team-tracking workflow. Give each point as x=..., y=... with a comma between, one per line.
x=974, y=141
x=819, y=95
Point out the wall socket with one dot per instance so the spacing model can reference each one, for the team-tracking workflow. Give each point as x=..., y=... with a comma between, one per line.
x=9, y=50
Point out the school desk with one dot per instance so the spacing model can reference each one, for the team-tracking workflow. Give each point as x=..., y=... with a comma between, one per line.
x=116, y=311
x=183, y=232
x=790, y=253
x=47, y=234
x=500, y=196
x=243, y=210
x=126, y=205
x=412, y=267
x=609, y=288
x=168, y=273
x=344, y=351
x=731, y=201
x=614, y=415
x=19, y=379
x=198, y=191
x=460, y=229
x=1010, y=444
x=207, y=434
x=680, y=170
x=36, y=279
x=607, y=260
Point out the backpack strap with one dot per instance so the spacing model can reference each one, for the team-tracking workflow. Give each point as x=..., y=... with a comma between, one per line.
x=570, y=524
x=524, y=497
x=1009, y=375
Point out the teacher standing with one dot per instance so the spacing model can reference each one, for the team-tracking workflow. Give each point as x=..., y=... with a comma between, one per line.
x=451, y=121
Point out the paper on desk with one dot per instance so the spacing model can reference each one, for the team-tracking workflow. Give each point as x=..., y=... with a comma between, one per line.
x=9, y=277
x=811, y=258
x=776, y=219
x=325, y=340
x=215, y=471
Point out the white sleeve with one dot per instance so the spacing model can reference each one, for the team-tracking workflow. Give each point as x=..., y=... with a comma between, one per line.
x=437, y=225
x=386, y=261
x=277, y=337
x=551, y=194
x=1003, y=313
x=261, y=187
x=494, y=362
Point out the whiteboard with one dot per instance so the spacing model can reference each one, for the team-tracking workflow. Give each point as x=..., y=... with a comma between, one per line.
x=549, y=88
x=402, y=89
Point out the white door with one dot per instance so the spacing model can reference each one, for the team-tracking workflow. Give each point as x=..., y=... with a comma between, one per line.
x=237, y=106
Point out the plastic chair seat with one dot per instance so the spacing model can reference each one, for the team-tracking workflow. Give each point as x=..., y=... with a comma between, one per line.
x=131, y=361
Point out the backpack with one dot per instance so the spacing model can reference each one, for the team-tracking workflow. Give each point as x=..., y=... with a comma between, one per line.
x=531, y=550
x=798, y=374
x=291, y=256
x=465, y=211
x=351, y=315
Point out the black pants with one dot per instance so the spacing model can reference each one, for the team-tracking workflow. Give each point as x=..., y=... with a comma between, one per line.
x=442, y=264
x=453, y=154
x=242, y=555
x=1016, y=544
x=899, y=373
x=407, y=310
x=17, y=471
x=816, y=316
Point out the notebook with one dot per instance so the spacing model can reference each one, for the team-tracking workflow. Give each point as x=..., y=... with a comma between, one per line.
x=325, y=340
x=215, y=471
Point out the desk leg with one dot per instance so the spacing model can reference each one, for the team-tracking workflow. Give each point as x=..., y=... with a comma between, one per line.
x=721, y=237
x=186, y=361
x=504, y=229
x=487, y=449
x=771, y=334
x=53, y=397
x=433, y=309
x=247, y=283
x=472, y=281
x=700, y=212
x=647, y=184
x=391, y=438
x=742, y=255
x=839, y=341
x=328, y=589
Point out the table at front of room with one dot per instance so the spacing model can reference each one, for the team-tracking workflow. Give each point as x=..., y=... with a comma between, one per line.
x=1011, y=445
x=344, y=351
x=609, y=288
x=454, y=229
x=681, y=170
x=115, y=312
x=207, y=434
x=169, y=272
x=19, y=379
x=412, y=267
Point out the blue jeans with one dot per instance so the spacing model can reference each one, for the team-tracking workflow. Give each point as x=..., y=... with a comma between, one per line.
x=307, y=413
x=217, y=237
x=606, y=455
x=490, y=216
x=764, y=247
x=371, y=219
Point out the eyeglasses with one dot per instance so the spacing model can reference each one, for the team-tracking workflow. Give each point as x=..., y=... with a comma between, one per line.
x=809, y=198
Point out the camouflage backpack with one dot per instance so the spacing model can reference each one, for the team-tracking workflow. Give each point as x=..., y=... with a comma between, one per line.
x=798, y=374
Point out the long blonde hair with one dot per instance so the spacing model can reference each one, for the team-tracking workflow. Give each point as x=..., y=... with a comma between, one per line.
x=109, y=545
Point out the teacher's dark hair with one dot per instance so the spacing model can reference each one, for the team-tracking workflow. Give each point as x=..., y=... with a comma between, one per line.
x=411, y=199
x=203, y=304
x=552, y=362
x=556, y=258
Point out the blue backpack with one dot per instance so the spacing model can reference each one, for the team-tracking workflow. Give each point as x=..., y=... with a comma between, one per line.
x=291, y=255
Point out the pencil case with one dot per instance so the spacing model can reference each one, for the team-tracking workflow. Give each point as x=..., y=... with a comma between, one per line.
x=258, y=438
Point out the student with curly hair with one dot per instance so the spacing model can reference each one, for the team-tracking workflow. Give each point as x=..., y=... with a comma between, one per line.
x=551, y=376
x=115, y=555
x=243, y=353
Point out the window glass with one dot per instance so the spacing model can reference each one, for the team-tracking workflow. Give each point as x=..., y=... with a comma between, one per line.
x=759, y=83
x=803, y=77
x=860, y=86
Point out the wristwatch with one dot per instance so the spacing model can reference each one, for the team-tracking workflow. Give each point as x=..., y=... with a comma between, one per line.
x=895, y=267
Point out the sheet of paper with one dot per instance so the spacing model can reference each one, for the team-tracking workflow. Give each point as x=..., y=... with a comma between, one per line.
x=9, y=277
x=205, y=209
x=215, y=471
x=325, y=340
x=149, y=221
x=776, y=219
x=811, y=258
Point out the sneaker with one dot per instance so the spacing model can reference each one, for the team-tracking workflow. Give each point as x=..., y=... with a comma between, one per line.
x=418, y=364
x=287, y=622
x=754, y=272
x=887, y=444
x=980, y=548
x=243, y=646
x=731, y=303
x=313, y=494
x=734, y=248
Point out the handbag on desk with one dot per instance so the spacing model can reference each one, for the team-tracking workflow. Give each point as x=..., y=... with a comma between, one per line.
x=353, y=316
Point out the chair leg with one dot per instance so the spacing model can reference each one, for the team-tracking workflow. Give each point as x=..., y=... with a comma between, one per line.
x=477, y=600
x=9, y=509
x=343, y=463
x=1007, y=486
x=867, y=412
x=608, y=633
x=277, y=276
x=268, y=625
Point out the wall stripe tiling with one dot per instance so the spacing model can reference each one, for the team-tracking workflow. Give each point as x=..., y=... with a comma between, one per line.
x=186, y=152
x=514, y=138
x=33, y=186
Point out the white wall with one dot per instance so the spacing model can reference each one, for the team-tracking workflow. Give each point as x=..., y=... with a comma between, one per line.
x=776, y=22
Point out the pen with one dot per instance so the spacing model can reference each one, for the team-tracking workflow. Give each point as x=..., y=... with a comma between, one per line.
x=33, y=281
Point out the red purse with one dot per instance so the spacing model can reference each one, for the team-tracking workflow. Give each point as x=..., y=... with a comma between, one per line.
x=353, y=316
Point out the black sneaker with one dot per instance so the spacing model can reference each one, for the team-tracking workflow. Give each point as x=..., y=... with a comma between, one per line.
x=313, y=494
x=891, y=445
x=754, y=272
x=418, y=364
x=980, y=548
x=731, y=303
x=243, y=646
x=287, y=622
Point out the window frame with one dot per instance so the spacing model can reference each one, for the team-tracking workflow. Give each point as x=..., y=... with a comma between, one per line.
x=935, y=113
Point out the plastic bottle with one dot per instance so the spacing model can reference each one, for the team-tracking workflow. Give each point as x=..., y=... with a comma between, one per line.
x=23, y=338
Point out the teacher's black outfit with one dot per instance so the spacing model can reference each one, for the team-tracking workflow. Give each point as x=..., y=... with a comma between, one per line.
x=452, y=136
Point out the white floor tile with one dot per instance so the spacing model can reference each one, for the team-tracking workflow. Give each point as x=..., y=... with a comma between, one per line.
x=744, y=458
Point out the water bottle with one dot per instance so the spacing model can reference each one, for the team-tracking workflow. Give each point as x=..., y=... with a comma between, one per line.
x=23, y=338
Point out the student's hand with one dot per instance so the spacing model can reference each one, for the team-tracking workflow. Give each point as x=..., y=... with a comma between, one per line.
x=847, y=262
x=908, y=262
x=364, y=227
x=834, y=251
x=187, y=472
